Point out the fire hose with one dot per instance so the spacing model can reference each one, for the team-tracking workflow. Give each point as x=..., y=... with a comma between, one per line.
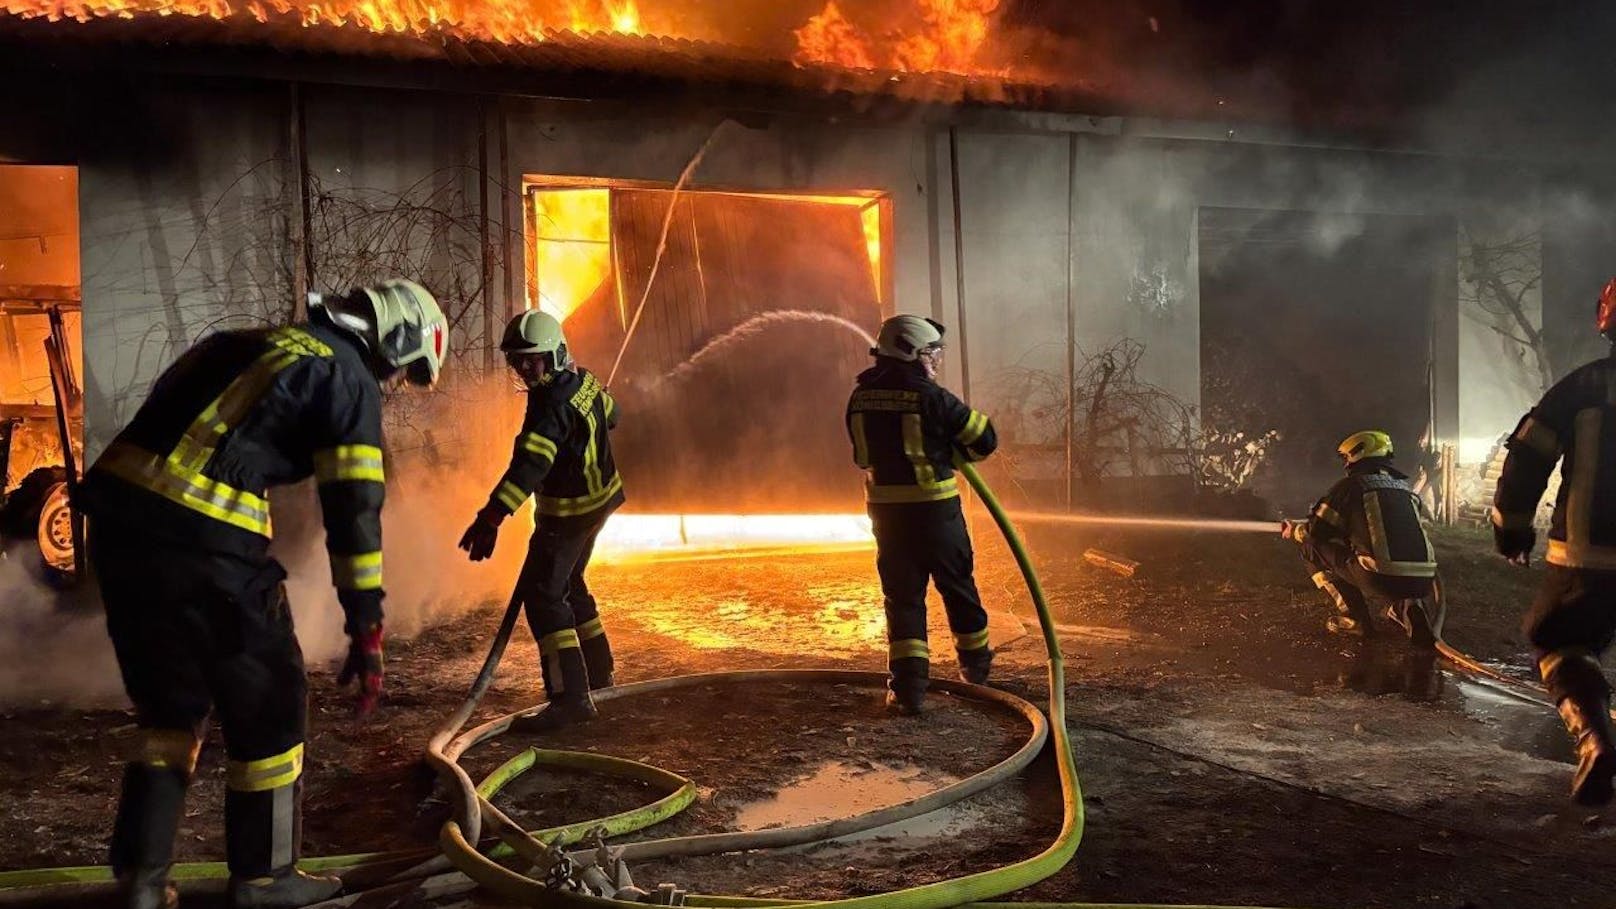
x=569, y=878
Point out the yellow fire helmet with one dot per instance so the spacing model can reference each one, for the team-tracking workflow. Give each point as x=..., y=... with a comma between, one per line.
x=1371, y=443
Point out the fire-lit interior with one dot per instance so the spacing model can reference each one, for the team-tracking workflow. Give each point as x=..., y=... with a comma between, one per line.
x=592, y=252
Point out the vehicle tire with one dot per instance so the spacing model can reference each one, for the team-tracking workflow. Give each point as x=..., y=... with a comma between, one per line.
x=20, y=517
x=54, y=531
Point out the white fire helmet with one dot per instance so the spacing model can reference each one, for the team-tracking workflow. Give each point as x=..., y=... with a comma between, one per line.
x=537, y=332
x=911, y=338
x=400, y=324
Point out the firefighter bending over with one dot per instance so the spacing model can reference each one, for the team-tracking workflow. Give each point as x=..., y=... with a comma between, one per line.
x=907, y=431
x=564, y=454
x=1573, y=619
x=1365, y=538
x=179, y=540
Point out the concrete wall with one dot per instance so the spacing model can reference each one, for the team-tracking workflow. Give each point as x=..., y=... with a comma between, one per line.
x=189, y=224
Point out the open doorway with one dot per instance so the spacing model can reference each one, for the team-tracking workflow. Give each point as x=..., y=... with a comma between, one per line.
x=1318, y=325
x=41, y=406
x=741, y=320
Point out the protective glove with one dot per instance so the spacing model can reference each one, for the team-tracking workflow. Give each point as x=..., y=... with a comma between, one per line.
x=479, y=538
x=1515, y=544
x=1295, y=531
x=365, y=664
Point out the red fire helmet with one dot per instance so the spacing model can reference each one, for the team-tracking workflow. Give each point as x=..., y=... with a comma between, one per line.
x=1605, y=320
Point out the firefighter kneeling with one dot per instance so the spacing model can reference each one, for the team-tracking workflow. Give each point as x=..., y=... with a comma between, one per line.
x=1365, y=538
x=179, y=540
x=564, y=454
x=906, y=431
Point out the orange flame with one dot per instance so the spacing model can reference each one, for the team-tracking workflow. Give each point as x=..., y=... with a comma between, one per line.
x=509, y=21
x=950, y=39
x=572, y=247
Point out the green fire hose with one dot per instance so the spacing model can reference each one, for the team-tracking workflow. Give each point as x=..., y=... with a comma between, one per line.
x=424, y=873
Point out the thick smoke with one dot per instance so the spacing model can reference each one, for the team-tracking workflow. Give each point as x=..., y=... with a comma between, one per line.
x=53, y=645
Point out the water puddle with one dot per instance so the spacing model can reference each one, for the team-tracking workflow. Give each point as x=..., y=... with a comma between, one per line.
x=839, y=789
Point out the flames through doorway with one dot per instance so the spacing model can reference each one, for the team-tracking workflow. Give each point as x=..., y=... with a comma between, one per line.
x=741, y=320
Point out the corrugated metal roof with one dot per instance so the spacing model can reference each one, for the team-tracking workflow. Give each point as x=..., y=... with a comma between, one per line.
x=598, y=58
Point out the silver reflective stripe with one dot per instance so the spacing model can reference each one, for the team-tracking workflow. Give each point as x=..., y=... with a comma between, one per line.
x=283, y=844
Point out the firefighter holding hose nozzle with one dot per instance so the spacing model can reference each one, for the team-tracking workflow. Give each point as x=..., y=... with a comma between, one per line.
x=907, y=431
x=1573, y=619
x=195, y=604
x=564, y=455
x=1365, y=538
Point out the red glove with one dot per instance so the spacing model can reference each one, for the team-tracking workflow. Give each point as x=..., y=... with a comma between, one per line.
x=365, y=664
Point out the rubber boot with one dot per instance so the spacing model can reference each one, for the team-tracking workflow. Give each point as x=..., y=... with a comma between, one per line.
x=566, y=678
x=906, y=689
x=149, y=811
x=598, y=659
x=1352, y=616
x=1583, y=695
x=975, y=665
x=263, y=838
x=286, y=889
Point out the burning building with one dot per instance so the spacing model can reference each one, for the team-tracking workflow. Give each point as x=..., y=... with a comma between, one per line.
x=723, y=203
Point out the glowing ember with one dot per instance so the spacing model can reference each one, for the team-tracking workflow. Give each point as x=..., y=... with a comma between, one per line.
x=572, y=247
x=651, y=533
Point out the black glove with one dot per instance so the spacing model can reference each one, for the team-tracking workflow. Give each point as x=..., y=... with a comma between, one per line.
x=479, y=538
x=365, y=664
x=1515, y=544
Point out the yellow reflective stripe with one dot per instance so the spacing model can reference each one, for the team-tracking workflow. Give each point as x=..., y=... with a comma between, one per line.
x=861, y=444
x=591, y=456
x=297, y=341
x=558, y=640
x=914, y=448
x=561, y=507
x=267, y=773
x=974, y=427
x=1517, y=521
x=196, y=447
x=211, y=498
x=610, y=405
x=908, y=648
x=591, y=629
x=1329, y=515
x=1580, y=498
x=1321, y=580
x=898, y=493
x=1397, y=569
x=357, y=572
x=1539, y=438
x=349, y=462
x=1567, y=555
x=510, y=495
x=170, y=749
x=533, y=443
x=975, y=640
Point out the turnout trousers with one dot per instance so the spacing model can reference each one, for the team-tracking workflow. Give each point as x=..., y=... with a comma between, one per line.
x=916, y=544
x=1415, y=602
x=199, y=633
x=574, y=651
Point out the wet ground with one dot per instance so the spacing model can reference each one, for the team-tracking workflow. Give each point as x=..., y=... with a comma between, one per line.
x=1231, y=750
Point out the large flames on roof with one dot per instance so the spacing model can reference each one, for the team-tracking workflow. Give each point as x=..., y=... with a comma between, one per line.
x=919, y=36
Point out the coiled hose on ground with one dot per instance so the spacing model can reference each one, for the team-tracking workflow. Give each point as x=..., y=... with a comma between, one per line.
x=461, y=866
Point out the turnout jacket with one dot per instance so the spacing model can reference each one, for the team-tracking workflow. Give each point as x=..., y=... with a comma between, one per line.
x=564, y=451
x=1575, y=421
x=906, y=432
x=242, y=411
x=1374, y=511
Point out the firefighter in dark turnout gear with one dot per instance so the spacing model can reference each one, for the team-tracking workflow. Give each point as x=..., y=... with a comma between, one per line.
x=907, y=431
x=563, y=454
x=1365, y=538
x=179, y=539
x=1573, y=620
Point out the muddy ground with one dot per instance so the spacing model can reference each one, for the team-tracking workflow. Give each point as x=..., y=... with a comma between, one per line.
x=1231, y=751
